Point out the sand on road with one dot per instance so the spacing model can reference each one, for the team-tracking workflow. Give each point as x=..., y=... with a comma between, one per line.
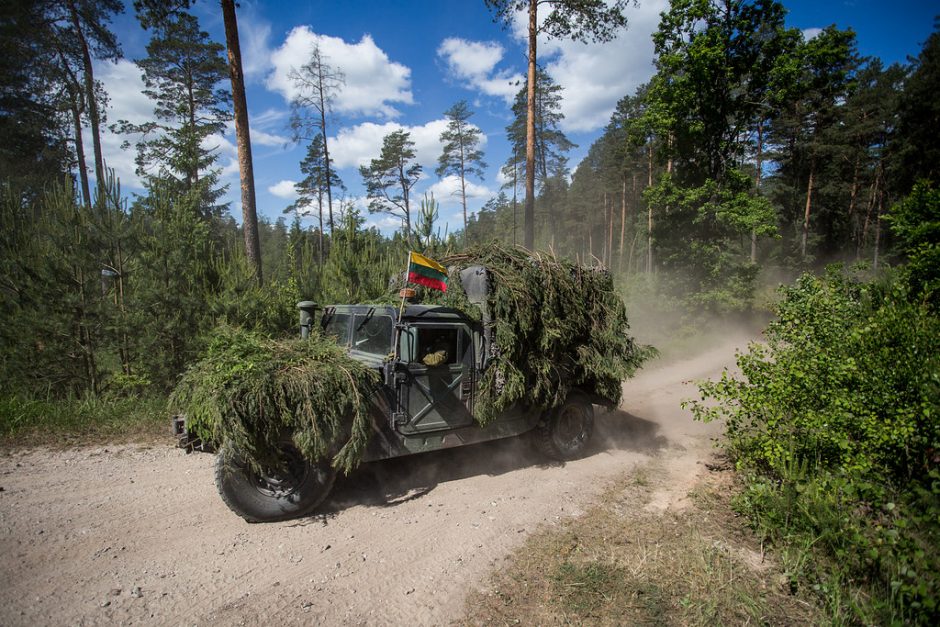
x=133, y=534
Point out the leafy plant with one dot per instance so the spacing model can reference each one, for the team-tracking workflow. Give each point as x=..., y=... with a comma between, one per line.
x=835, y=423
x=253, y=392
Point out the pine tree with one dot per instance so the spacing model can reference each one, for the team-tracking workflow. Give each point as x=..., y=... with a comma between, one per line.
x=389, y=178
x=182, y=73
x=317, y=83
x=580, y=20
x=550, y=142
x=461, y=155
x=243, y=138
x=920, y=117
x=318, y=181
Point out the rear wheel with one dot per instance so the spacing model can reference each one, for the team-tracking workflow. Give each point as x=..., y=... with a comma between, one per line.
x=272, y=495
x=566, y=432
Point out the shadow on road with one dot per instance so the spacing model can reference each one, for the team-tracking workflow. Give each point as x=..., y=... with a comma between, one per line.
x=391, y=482
x=623, y=431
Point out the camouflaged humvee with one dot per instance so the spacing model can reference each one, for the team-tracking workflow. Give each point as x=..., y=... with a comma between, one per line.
x=430, y=359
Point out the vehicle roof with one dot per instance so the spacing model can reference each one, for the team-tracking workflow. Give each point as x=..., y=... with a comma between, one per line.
x=414, y=313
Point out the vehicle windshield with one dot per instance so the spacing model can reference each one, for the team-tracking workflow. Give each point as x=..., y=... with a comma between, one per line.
x=336, y=325
x=372, y=334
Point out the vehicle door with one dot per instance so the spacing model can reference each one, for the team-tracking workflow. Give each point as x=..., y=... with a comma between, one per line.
x=438, y=391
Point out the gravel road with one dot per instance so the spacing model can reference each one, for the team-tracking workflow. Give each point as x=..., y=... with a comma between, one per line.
x=137, y=534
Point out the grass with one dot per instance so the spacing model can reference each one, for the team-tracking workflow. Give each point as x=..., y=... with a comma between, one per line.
x=79, y=421
x=619, y=564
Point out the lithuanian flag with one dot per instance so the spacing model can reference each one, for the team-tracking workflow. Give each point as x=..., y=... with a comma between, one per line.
x=426, y=272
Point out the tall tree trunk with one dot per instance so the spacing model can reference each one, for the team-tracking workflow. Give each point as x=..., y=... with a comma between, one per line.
x=515, y=187
x=530, y=133
x=807, y=210
x=757, y=181
x=320, y=238
x=405, y=199
x=635, y=202
x=881, y=196
x=192, y=176
x=649, y=216
x=75, y=96
x=623, y=221
x=125, y=340
x=853, y=195
x=92, y=102
x=610, y=235
x=872, y=193
x=326, y=150
x=245, y=168
x=463, y=179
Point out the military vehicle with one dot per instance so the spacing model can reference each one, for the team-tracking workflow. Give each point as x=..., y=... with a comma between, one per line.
x=430, y=359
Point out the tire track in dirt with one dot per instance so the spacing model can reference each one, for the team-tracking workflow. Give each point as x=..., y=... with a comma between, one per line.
x=401, y=541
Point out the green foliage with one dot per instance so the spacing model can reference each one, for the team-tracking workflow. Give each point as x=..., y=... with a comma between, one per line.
x=699, y=231
x=253, y=392
x=558, y=327
x=57, y=421
x=359, y=266
x=270, y=309
x=835, y=422
x=920, y=117
x=172, y=274
x=461, y=155
x=182, y=72
x=916, y=223
x=581, y=20
x=427, y=238
x=388, y=179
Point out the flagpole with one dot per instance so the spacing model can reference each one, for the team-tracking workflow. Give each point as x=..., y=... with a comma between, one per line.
x=401, y=308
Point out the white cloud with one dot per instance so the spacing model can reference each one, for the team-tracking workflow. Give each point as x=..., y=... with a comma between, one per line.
x=447, y=190
x=284, y=189
x=373, y=82
x=475, y=62
x=262, y=138
x=811, y=33
x=383, y=222
x=259, y=137
x=254, y=34
x=126, y=101
x=596, y=75
x=357, y=145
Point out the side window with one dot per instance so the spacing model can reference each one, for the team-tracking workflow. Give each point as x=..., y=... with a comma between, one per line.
x=337, y=326
x=438, y=346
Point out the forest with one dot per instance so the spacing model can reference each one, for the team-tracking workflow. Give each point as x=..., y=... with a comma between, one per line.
x=754, y=155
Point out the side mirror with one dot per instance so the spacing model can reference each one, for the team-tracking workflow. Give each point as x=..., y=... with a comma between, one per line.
x=308, y=310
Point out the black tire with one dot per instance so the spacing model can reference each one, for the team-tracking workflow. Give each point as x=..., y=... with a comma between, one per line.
x=566, y=432
x=259, y=497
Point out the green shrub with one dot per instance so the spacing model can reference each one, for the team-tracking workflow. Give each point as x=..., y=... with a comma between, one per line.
x=253, y=391
x=835, y=423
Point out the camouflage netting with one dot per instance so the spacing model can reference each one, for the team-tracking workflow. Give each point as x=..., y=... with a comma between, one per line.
x=253, y=392
x=557, y=326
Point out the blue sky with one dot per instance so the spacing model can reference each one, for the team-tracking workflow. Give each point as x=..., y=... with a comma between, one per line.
x=407, y=62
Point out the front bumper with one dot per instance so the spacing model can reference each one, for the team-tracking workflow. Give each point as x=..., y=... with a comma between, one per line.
x=186, y=439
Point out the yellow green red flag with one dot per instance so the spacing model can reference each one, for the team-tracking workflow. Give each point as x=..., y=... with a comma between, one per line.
x=426, y=272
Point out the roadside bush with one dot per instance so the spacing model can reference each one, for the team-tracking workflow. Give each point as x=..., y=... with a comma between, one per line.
x=835, y=425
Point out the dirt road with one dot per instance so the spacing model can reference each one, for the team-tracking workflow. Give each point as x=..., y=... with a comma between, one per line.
x=138, y=534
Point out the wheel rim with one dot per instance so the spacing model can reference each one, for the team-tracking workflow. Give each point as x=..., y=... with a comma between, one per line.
x=571, y=428
x=282, y=483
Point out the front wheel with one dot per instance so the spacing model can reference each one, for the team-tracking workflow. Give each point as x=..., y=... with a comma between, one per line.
x=270, y=496
x=566, y=432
